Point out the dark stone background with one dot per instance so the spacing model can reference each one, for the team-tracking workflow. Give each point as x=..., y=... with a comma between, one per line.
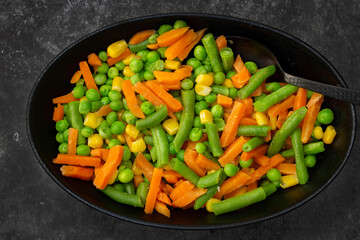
x=32, y=33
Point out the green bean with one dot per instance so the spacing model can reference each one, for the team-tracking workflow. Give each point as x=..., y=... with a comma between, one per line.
x=209, y=156
x=129, y=188
x=286, y=129
x=227, y=58
x=153, y=154
x=239, y=202
x=214, y=140
x=257, y=98
x=181, y=168
x=273, y=86
x=309, y=149
x=187, y=118
x=76, y=120
x=255, y=81
x=212, y=52
x=269, y=188
x=301, y=170
x=149, y=140
x=138, y=47
x=253, y=130
x=162, y=146
x=274, y=97
x=142, y=191
x=218, y=89
x=153, y=119
x=122, y=197
x=253, y=143
x=210, y=179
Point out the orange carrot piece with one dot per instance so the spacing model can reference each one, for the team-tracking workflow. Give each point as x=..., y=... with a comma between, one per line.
x=137, y=180
x=72, y=141
x=94, y=60
x=168, y=87
x=314, y=98
x=287, y=168
x=161, y=208
x=262, y=170
x=232, y=183
x=83, y=173
x=110, y=166
x=252, y=186
x=76, y=77
x=257, y=152
x=175, y=49
x=189, y=197
x=221, y=42
x=131, y=100
x=148, y=94
x=77, y=160
x=231, y=126
x=236, y=192
x=171, y=37
x=167, y=77
x=181, y=189
x=281, y=119
x=171, y=173
x=259, y=90
x=241, y=78
x=309, y=120
x=248, y=121
x=104, y=111
x=141, y=36
x=88, y=77
x=238, y=63
x=58, y=112
x=262, y=160
x=171, y=178
x=178, y=182
x=224, y=101
x=100, y=152
x=65, y=98
x=145, y=166
x=168, y=189
x=184, y=71
x=300, y=99
x=275, y=110
x=111, y=61
x=153, y=46
x=234, y=150
x=186, y=51
x=206, y=163
x=248, y=104
x=153, y=190
x=190, y=159
x=191, y=145
x=172, y=103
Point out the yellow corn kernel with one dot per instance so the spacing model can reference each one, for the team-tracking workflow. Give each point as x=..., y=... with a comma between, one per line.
x=211, y=171
x=329, y=135
x=318, y=132
x=211, y=74
x=206, y=116
x=171, y=126
x=289, y=181
x=261, y=119
x=121, y=138
x=172, y=65
x=116, y=85
x=92, y=120
x=138, y=145
x=204, y=79
x=127, y=72
x=127, y=60
x=116, y=48
x=132, y=131
x=113, y=177
x=136, y=170
x=202, y=90
x=83, y=99
x=210, y=202
x=273, y=123
x=95, y=141
x=228, y=83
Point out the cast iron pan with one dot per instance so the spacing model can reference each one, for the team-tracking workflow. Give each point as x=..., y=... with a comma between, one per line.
x=295, y=56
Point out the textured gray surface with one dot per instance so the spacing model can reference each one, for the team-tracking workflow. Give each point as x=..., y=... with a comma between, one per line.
x=34, y=32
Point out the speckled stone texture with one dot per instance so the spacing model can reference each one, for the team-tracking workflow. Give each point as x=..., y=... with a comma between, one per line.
x=32, y=33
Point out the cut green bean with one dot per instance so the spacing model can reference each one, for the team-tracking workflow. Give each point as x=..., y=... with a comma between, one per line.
x=253, y=130
x=269, y=188
x=162, y=146
x=129, y=188
x=273, y=86
x=76, y=120
x=212, y=52
x=142, y=191
x=153, y=119
x=301, y=170
x=181, y=168
x=309, y=149
x=138, y=47
x=149, y=140
x=122, y=197
x=153, y=154
x=227, y=58
x=214, y=139
x=210, y=179
x=218, y=89
x=252, y=144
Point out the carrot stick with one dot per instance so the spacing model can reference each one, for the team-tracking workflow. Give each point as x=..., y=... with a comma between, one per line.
x=259, y=90
x=111, y=61
x=232, y=151
x=153, y=46
x=128, y=140
x=238, y=64
x=232, y=183
x=148, y=94
x=186, y=51
x=77, y=160
x=153, y=190
x=221, y=42
x=110, y=166
x=131, y=100
x=168, y=87
x=189, y=197
x=206, y=163
x=167, y=77
x=141, y=36
x=236, y=192
x=262, y=170
x=168, y=189
x=281, y=119
x=184, y=71
x=72, y=141
x=137, y=180
x=190, y=159
x=88, y=77
x=104, y=111
x=181, y=189
x=192, y=145
x=171, y=178
x=287, y=168
x=58, y=112
x=231, y=126
x=300, y=99
x=241, y=78
x=65, y=99
x=248, y=104
x=83, y=173
x=257, y=152
x=248, y=121
x=314, y=98
x=94, y=60
x=162, y=197
x=262, y=160
x=171, y=37
x=309, y=120
x=172, y=103
x=76, y=77
x=145, y=166
x=224, y=101
x=161, y=208
x=175, y=49
x=275, y=110
x=252, y=186
x=100, y=152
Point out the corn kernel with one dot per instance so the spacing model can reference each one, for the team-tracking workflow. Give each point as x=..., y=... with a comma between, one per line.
x=113, y=177
x=92, y=120
x=171, y=126
x=116, y=85
x=83, y=99
x=318, y=132
x=116, y=48
x=210, y=202
x=95, y=141
x=329, y=135
x=211, y=171
x=289, y=181
x=136, y=170
x=261, y=119
x=206, y=116
x=127, y=60
x=132, y=131
x=272, y=123
x=228, y=83
x=204, y=79
x=121, y=138
x=127, y=72
x=202, y=90
x=172, y=65
x=138, y=145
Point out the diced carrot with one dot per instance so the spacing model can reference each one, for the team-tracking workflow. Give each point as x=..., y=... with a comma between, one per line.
x=281, y=119
x=232, y=151
x=259, y=90
x=111, y=61
x=252, y=186
x=94, y=60
x=224, y=101
x=83, y=173
x=309, y=120
x=131, y=100
x=77, y=160
x=65, y=98
x=175, y=49
x=104, y=111
x=190, y=159
x=268, y=137
x=76, y=77
x=58, y=112
x=145, y=166
x=314, y=98
x=180, y=190
x=161, y=208
x=231, y=126
x=257, y=152
x=167, y=77
x=162, y=197
x=172, y=103
x=72, y=141
x=275, y=110
x=148, y=94
x=141, y=36
x=237, y=192
x=206, y=163
x=189, y=197
x=300, y=99
x=248, y=104
x=191, y=145
x=88, y=77
x=186, y=51
x=184, y=71
x=168, y=189
x=241, y=78
x=128, y=140
x=221, y=42
x=137, y=180
x=153, y=190
x=171, y=37
x=153, y=46
x=232, y=183
x=238, y=64
x=287, y=168
x=248, y=121
x=262, y=160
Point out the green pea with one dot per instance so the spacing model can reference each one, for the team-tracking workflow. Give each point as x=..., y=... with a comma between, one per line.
x=120, y=65
x=208, y=68
x=116, y=105
x=277, y=183
x=200, y=148
x=200, y=53
x=164, y=28
x=104, y=90
x=230, y=74
x=207, y=145
x=309, y=93
x=245, y=164
x=66, y=109
x=211, y=98
x=114, y=142
x=137, y=77
x=142, y=54
x=149, y=75
x=147, y=108
x=199, y=97
x=84, y=107
x=200, y=70
x=172, y=149
x=206, y=61
x=127, y=153
x=169, y=137
x=231, y=170
x=217, y=111
x=199, y=106
x=273, y=86
x=81, y=82
x=92, y=95
x=63, y=148
x=180, y=24
x=193, y=62
x=152, y=56
x=273, y=174
x=233, y=93
x=187, y=84
x=118, y=128
x=161, y=51
x=142, y=98
x=219, y=78
x=148, y=157
x=114, y=95
x=113, y=72
x=197, y=123
x=251, y=67
x=100, y=78
x=152, y=38
x=180, y=154
x=103, y=56
x=95, y=106
x=125, y=104
x=62, y=125
x=325, y=116
x=125, y=175
x=78, y=92
x=119, y=187
x=66, y=135
x=136, y=65
x=105, y=132
x=109, y=82
x=220, y=124
x=103, y=68
x=105, y=101
x=129, y=117
x=87, y=132
x=310, y=161
x=59, y=137
x=195, y=134
x=83, y=150
x=111, y=118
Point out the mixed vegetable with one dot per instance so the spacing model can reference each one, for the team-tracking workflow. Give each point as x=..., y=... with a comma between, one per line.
x=152, y=127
